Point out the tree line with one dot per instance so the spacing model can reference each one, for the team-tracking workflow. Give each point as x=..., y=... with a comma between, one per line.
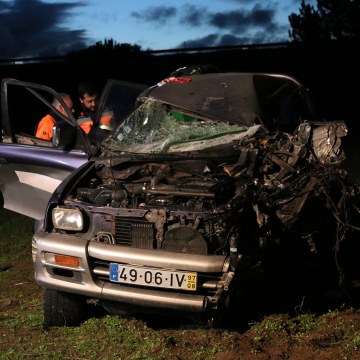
x=331, y=20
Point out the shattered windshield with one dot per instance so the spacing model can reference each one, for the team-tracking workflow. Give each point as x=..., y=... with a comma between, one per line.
x=153, y=128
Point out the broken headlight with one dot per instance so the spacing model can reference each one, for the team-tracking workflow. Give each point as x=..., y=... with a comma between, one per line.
x=67, y=219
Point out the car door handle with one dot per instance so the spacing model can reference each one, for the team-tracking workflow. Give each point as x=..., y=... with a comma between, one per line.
x=3, y=161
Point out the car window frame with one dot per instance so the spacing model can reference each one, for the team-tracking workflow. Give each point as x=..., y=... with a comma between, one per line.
x=32, y=87
x=105, y=93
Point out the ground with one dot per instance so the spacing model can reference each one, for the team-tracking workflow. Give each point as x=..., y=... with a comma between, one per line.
x=271, y=328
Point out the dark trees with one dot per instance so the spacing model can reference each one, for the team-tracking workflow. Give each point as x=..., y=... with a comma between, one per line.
x=107, y=49
x=111, y=46
x=332, y=20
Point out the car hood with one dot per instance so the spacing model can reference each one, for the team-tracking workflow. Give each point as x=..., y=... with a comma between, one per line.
x=233, y=97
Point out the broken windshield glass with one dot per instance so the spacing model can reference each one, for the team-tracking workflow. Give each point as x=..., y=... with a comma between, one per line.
x=152, y=128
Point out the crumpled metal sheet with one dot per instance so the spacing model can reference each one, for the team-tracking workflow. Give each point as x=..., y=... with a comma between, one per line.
x=326, y=142
x=288, y=213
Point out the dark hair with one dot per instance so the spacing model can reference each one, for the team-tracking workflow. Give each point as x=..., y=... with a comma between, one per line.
x=87, y=87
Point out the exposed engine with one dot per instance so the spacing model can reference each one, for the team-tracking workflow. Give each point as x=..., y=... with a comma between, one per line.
x=181, y=202
x=241, y=200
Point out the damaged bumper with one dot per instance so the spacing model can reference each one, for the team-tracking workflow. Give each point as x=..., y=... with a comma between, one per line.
x=90, y=273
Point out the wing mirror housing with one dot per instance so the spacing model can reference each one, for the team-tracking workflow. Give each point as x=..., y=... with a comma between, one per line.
x=64, y=136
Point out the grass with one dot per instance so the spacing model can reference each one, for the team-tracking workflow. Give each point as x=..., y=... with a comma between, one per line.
x=24, y=336
x=336, y=326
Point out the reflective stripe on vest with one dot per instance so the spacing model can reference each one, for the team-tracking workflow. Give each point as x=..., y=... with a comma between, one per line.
x=85, y=123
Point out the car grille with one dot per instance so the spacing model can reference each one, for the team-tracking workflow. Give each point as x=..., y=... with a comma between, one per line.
x=134, y=232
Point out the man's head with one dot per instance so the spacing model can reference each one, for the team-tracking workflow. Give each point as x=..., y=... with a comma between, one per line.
x=88, y=95
x=68, y=102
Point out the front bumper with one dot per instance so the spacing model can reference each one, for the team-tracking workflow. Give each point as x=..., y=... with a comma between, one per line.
x=91, y=277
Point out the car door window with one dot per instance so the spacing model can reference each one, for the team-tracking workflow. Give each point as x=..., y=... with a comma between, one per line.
x=116, y=102
x=24, y=110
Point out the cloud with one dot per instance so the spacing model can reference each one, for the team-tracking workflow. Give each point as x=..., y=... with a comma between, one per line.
x=236, y=21
x=230, y=40
x=244, y=1
x=238, y=27
x=33, y=28
x=206, y=41
x=259, y=37
x=193, y=16
x=156, y=14
x=239, y=21
x=241, y=26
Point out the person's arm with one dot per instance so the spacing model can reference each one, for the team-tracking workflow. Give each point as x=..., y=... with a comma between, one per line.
x=44, y=130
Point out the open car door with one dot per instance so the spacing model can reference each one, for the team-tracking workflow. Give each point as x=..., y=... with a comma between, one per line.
x=32, y=168
x=117, y=101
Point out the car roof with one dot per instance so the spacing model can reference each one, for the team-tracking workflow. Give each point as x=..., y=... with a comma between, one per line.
x=232, y=97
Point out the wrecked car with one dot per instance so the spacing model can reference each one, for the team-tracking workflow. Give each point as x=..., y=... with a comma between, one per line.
x=189, y=196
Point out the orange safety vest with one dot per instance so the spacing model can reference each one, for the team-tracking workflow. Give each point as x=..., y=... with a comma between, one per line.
x=107, y=119
x=44, y=130
x=86, y=123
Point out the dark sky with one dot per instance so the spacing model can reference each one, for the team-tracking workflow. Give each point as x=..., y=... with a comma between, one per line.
x=52, y=27
x=34, y=27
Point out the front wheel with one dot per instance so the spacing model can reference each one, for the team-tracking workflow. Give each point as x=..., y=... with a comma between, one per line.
x=63, y=309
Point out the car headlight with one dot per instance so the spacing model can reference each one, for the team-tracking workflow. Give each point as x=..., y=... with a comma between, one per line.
x=67, y=219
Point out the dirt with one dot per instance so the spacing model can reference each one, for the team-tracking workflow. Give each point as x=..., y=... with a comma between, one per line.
x=239, y=343
x=264, y=324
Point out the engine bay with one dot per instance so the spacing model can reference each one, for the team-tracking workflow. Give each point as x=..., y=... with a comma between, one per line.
x=243, y=200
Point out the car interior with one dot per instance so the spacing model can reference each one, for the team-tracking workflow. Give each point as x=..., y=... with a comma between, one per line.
x=25, y=112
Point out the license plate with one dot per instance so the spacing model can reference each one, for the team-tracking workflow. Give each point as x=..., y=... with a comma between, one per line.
x=170, y=279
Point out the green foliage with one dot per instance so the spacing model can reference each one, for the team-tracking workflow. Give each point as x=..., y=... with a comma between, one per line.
x=9, y=354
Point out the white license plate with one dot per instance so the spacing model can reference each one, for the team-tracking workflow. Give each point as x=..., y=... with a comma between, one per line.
x=170, y=279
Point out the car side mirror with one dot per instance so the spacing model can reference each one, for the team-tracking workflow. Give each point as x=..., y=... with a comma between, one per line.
x=64, y=136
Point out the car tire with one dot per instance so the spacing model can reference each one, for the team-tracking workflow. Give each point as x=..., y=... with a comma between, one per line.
x=63, y=309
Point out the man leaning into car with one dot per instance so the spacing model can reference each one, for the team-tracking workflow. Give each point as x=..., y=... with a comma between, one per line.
x=88, y=97
x=44, y=128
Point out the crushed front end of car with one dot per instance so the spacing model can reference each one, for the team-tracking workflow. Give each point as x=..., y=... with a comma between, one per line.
x=181, y=208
